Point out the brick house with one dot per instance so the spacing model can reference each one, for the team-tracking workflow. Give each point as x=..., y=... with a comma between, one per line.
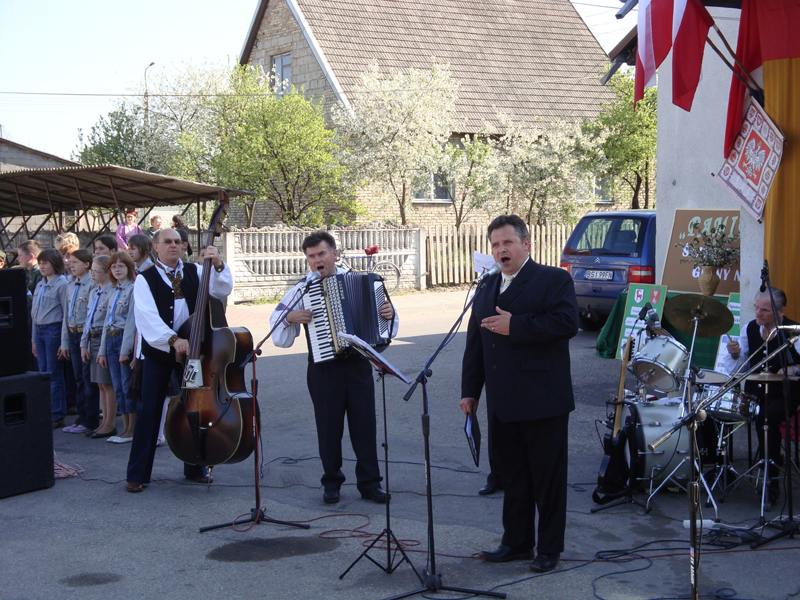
x=530, y=59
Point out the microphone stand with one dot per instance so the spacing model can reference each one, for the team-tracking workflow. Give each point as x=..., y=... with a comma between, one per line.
x=788, y=526
x=433, y=580
x=257, y=515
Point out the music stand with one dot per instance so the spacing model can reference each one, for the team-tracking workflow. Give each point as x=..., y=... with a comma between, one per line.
x=383, y=367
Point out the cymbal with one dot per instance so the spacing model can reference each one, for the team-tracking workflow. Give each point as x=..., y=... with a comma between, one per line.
x=769, y=377
x=713, y=317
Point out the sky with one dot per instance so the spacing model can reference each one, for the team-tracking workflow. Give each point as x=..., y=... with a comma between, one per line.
x=65, y=63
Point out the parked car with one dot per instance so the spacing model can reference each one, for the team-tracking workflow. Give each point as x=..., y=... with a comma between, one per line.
x=606, y=252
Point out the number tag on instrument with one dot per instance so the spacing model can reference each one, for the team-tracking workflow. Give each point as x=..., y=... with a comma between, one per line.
x=193, y=374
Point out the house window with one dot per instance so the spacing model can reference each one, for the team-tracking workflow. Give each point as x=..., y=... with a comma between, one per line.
x=595, y=190
x=282, y=67
x=437, y=188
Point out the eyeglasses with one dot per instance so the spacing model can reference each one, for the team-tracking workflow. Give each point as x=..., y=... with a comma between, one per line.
x=177, y=242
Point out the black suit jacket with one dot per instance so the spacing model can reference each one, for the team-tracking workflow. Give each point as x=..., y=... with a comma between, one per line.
x=526, y=373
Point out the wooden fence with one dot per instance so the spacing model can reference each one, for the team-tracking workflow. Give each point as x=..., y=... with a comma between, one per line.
x=449, y=252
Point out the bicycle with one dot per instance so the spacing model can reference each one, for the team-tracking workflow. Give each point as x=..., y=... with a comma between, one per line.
x=389, y=271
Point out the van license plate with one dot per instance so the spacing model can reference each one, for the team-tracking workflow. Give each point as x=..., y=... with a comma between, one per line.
x=605, y=275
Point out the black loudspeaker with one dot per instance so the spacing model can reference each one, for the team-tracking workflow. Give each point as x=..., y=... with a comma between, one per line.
x=26, y=434
x=15, y=342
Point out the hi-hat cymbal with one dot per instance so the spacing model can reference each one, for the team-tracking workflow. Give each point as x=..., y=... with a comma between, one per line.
x=713, y=317
x=769, y=377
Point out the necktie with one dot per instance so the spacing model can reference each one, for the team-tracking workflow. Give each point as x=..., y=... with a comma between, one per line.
x=90, y=314
x=113, y=307
x=74, y=296
x=506, y=282
x=175, y=280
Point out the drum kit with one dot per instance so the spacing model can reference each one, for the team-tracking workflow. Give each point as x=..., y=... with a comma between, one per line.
x=657, y=450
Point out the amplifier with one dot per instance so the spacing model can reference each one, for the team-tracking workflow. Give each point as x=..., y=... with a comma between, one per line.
x=26, y=434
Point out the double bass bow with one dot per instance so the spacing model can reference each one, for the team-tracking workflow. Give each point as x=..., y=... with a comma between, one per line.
x=212, y=420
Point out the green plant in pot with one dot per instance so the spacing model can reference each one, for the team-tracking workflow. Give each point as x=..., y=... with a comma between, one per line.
x=708, y=251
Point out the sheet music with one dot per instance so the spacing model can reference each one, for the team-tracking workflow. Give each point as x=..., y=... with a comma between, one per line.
x=373, y=357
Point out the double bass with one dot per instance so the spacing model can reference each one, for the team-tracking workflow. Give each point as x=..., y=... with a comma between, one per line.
x=214, y=419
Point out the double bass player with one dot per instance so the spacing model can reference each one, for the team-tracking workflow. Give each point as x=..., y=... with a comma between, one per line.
x=164, y=297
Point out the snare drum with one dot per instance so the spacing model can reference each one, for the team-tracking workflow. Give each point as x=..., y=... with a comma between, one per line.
x=660, y=363
x=731, y=407
x=650, y=421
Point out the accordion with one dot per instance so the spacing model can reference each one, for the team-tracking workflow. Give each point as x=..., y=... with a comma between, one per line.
x=345, y=303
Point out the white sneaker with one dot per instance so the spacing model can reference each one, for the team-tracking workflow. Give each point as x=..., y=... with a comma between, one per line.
x=161, y=441
x=119, y=440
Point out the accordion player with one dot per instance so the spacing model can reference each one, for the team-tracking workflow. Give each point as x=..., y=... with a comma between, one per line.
x=346, y=303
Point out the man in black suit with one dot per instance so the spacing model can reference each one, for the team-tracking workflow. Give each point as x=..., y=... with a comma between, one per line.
x=518, y=349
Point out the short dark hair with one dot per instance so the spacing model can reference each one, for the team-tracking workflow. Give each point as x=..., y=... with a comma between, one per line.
x=53, y=256
x=142, y=243
x=778, y=294
x=83, y=255
x=518, y=224
x=316, y=238
x=30, y=247
x=109, y=241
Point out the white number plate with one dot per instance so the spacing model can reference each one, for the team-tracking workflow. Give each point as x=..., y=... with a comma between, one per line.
x=607, y=275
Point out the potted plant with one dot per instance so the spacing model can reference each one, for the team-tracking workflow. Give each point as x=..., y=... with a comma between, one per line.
x=709, y=251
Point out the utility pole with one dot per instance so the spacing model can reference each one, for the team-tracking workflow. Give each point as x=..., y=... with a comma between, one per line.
x=147, y=118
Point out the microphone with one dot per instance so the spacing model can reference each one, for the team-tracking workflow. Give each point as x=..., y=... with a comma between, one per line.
x=312, y=278
x=644, y=312
x=652, y=315
x=792, y=329
x=764, y=277
x=495, y=268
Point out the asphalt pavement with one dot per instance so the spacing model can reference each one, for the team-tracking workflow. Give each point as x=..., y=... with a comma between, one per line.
x=87, y=538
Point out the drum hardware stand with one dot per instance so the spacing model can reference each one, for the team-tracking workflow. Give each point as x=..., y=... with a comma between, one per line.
x=433, y=580
x=257, y=515
x=390, y=536
x=724, y=448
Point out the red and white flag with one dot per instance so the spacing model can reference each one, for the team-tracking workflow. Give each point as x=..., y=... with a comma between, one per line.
x=678, y=25
x=690, y=25
x=654, y=33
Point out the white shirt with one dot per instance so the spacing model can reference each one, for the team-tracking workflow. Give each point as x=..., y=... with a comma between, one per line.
x=149, y=323
x=731, y=365
x=285, y=333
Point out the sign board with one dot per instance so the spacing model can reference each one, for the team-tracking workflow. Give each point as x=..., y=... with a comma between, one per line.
x=682, y=277
x=639, y=294
x=735, y=306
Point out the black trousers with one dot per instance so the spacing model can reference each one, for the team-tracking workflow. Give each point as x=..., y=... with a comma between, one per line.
x=533, y=459
x=341, y=388
x=775, y=409
x=155, y=383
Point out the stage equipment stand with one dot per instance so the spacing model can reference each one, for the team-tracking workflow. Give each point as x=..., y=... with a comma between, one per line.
x=787, y=526
x=433, y=580
x=383, y=368
x=630, y=488
x=257, y=514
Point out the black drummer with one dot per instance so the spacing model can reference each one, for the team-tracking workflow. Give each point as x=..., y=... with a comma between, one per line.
x=756, y=342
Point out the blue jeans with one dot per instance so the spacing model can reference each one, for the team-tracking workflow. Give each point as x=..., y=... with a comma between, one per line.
x=87, y=398
x=48, y=340
x=120, y=376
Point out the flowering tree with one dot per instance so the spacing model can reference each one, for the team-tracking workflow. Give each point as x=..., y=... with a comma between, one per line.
x=474, y=174
x=396, y=127
x=544, y=166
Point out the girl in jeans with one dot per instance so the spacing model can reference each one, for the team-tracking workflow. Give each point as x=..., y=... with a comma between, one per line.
x=119, y=333
x=47, y=314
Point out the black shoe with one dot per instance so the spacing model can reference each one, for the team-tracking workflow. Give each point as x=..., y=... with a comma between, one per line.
x=490, y=488
x=99, y=436
x=505, y=553
x=545, y=562
x=58, y=423
x=330, y=496
x=376, y=495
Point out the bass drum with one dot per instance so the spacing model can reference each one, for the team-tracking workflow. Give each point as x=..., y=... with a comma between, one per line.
x=648, y=422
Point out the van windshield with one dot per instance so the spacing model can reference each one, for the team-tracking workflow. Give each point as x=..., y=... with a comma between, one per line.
x=608, y=236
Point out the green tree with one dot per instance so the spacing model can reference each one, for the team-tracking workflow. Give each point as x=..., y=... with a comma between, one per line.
x=395, y=129
x=115, y=139
x=278, y=146
x=630, y=143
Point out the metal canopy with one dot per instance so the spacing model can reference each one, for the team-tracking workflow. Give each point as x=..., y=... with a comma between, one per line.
x=47, y=191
